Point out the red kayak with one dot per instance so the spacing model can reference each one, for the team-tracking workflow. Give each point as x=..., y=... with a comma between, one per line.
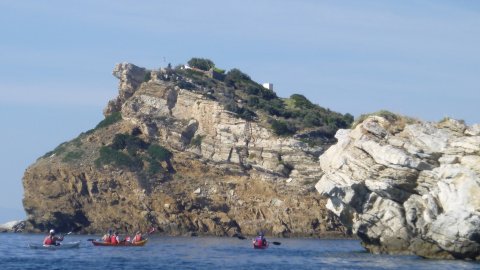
x=121, y=244
x=260, y=247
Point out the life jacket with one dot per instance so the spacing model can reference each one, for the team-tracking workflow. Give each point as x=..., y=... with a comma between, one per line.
x=49, y=240
x=137, y=238
x=113, y=240
x=260, y=241
x=107, y=238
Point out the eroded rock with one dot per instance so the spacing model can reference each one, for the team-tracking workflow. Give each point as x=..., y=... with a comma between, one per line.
x=413, y=191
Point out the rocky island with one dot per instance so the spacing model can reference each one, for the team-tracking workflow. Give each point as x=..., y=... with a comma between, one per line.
x=193, y=150
x=190, y=150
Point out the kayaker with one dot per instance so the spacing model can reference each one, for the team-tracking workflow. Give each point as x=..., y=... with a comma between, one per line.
x=138, y=237
x=115, y=239
x=260, y=240
x=107, y=236
x=51, y=239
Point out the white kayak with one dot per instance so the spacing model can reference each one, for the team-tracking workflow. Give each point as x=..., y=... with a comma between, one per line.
x=61, y=246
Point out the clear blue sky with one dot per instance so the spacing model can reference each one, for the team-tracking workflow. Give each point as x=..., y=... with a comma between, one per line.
x=418, y=58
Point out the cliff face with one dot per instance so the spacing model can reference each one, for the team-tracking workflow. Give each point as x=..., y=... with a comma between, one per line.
x=407, y=187
x=199, y=169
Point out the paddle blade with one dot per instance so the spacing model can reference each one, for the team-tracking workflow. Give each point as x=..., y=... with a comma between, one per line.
x=239, y=236
x=90, y=240
x=276, y=243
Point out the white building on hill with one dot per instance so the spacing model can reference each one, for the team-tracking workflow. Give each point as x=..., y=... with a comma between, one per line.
x=268, y=85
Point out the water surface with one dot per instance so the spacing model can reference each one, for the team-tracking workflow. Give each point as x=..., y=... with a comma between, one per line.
x=208, y=253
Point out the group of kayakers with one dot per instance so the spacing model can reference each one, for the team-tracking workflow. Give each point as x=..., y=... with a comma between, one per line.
x=114, y=238
x=110, y=237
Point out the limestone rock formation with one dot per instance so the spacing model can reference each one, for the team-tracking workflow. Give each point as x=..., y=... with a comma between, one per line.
x=407, y=186
x=169, y=155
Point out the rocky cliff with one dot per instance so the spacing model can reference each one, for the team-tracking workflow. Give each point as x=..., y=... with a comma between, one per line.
x=405, y=186
x=169, y=155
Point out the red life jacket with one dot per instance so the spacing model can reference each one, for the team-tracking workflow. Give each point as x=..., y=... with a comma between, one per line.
x=259, y=242
x=113, y=240
x=137, y=238
x=48, y=240
x=108, y=239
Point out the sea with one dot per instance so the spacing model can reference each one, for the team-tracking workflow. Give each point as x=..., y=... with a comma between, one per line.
x=208, y=253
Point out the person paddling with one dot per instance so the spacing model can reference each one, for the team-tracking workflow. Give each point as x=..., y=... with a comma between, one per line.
x=115, y=239
x=107, y=237
x=138, y=237
x=260, y=240
x=51, y=239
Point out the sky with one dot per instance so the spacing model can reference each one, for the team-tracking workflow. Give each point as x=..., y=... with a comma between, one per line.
x=416, y=58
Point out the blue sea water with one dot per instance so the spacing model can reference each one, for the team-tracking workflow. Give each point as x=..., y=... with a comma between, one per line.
x=208, y=253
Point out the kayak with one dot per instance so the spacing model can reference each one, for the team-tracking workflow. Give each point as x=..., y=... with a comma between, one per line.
x=52, y=247
x=260, y=247
x=121, y=244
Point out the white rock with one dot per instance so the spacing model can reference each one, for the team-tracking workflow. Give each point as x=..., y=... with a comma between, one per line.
x=398, y=190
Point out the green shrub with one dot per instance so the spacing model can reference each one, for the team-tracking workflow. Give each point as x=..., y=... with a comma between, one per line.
x=131, y=143
x=148, y=77
x=201, y=63
x=253, y=90
x=186, y=85
x=348, y=118
x=235, y=77
x=268, y=94
x=282, y=128
x=197, y=140
x=312, y=119
x=109, y=120
x=219, y=70
x=115, y=157
x=301, y=101
x=60, y=149
x=73, y=155
x=242, y=112
x=159, y=153
x=154, y=167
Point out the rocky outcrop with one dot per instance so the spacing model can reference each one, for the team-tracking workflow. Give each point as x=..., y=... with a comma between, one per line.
x=130, y=77
x=407, y=187
x=13, y=226
x=180, y=116
x=226, y=175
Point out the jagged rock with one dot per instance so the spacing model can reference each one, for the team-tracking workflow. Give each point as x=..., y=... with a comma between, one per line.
x=130, y=77
x=415, y=190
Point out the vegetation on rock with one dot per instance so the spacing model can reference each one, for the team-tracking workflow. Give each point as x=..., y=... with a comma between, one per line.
x=197, y=140
x=249, y=100
x=73, y=155
x=201, y=63
x=109, y=120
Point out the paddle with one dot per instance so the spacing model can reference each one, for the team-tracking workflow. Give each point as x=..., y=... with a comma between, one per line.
x=239, y=236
